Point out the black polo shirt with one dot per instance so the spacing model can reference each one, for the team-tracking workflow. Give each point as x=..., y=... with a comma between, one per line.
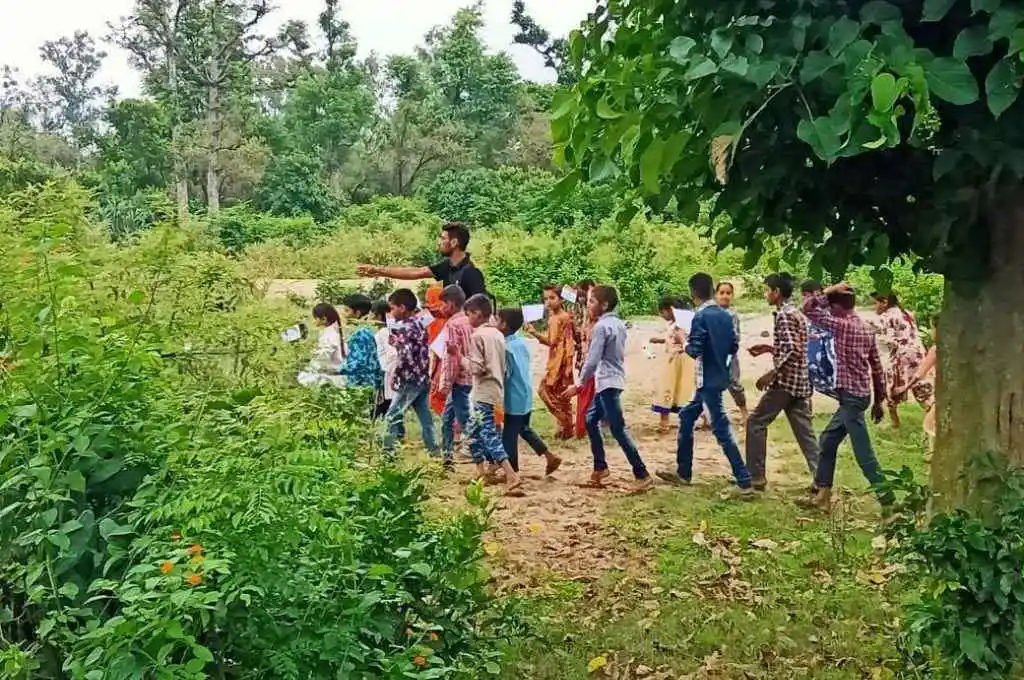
x=465, y=275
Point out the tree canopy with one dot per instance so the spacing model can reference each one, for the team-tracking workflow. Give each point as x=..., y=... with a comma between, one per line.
x=863, y=130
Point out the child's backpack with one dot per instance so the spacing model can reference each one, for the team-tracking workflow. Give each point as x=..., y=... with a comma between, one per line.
x=821, y=360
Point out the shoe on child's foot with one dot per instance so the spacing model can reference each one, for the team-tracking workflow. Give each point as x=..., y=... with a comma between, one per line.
x=554, y=462
x=760, y=485
x=449, y=465
x=673, y=478
x=641, y=485
x=738, y=494
x=596, y=479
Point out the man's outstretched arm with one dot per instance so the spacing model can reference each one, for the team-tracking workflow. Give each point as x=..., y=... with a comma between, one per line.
x=400, y=273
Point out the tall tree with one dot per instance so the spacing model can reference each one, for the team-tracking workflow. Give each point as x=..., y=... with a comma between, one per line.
x=864, y=130
x=154, y=36
x=554, y=51
x=223, y=43
x=71, y=100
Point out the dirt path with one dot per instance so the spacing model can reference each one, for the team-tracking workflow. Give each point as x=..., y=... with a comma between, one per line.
x=559, y=528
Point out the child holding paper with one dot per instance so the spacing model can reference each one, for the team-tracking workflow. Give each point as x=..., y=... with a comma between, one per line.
x=455, y=381
x=677, y=383
x=606, y=363
x=558, y=377
x=486, y=363
x=410, y=382
x=519, y=395
x=361, y=367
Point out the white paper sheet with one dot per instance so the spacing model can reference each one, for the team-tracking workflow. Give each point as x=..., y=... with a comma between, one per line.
x=426, y=318
x=533, y=313
x=440, y=344
x=292, y=334
x=569, y=294
x=683, y=319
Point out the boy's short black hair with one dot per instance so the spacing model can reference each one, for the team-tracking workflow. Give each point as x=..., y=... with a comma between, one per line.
x=403, y=297
x=890, y=298
x=380, y=310
x=810, y=286
x=702, y=286
x=480, y=303
x=669, y=302
x=512, y=317
x=847, y=301
x=459, y=232
x=607, y=296
x=455, y=295
x=358, y=303
x=781, y=282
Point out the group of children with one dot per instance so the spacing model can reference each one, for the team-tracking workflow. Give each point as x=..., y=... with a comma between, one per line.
x=471, y=361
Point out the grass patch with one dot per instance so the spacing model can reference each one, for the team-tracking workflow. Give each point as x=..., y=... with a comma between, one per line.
x=736, y=590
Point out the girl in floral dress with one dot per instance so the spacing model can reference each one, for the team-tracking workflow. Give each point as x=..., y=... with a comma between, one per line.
x=898, y=332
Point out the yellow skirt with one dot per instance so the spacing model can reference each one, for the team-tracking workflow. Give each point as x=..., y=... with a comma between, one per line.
x=678, y=385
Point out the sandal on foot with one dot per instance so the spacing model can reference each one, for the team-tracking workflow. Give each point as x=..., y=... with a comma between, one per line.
x=554, y=462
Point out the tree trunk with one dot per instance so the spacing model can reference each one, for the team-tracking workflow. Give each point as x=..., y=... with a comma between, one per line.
x=213, y=122
x=980, y=408
x=180, y=178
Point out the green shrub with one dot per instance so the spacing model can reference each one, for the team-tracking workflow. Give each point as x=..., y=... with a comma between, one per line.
x=173, y=506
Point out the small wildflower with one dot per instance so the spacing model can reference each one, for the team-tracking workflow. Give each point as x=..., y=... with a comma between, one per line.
x=419, y=661
x=167, y=567
x=195, y=579
x=175, y=535
x=195, y=550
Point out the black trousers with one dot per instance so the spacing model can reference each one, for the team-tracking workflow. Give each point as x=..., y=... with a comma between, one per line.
x=516, y=427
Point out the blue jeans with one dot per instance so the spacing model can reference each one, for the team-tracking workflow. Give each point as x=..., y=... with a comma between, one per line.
x=456, y=408
x=484, y=440
x=848, y=420
x=517, y=426
x=607, y=406
x=416, y=398
x=711, y=400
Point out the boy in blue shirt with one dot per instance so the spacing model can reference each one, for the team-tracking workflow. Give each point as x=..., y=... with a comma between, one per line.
x=519, y=394
x=713, y=343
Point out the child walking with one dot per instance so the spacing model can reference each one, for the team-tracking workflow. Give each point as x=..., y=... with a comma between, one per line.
x=606, y=364
x=724, y=294
x=712, y=341
x=677, y=386
x=584, y=328
x=410, y=383
x=455, y=381
x=898, y=332
x=519, y=395
x=361, y=367
x=388, y=358
x=486, y=363
x=561, y=343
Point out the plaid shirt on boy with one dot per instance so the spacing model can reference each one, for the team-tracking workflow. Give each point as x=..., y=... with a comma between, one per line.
x=790, y=352
x=858, y=362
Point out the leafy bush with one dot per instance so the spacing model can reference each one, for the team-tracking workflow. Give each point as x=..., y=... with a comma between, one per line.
x=292, y=187
x=485, y=197
x=967, y=612
x=173, y=507
x=240, y=226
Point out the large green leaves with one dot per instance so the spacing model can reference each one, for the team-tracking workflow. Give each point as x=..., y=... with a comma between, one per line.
x=1002, y=86
x=951, y=80
x=935, y=10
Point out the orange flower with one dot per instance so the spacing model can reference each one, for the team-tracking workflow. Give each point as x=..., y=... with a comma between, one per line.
x=195, y=579
x=419, y=661
x=195, y=550
x=167, y=567
x=433, y=637
x=175, y=535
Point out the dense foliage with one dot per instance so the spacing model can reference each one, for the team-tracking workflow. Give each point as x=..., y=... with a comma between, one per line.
x=173, y=506
x=864, y=129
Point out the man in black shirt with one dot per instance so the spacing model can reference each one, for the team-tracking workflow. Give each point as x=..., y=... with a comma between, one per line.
x=455, y=269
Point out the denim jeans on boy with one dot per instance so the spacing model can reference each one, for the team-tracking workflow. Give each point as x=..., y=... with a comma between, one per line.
x=418, y=399
x=712, y=401
x=456, y=408
x=848, y=420
x=484, y=440
x=516, y=427
x=607, y=406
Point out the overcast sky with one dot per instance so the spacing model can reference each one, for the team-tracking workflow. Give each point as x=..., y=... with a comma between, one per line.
x=382, y=26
